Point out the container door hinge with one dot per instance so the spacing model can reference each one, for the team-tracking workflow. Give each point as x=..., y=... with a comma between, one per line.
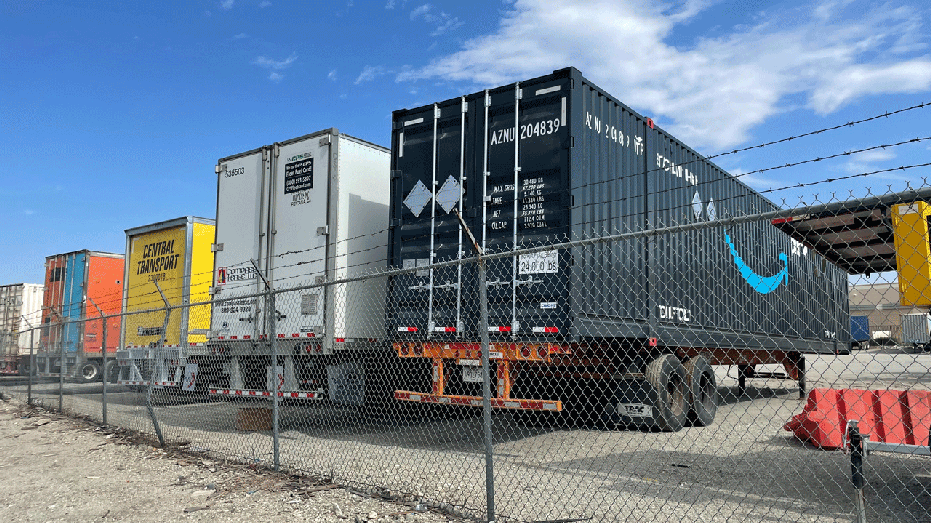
x=220, y=168
x=216, y=247
x=395, y=175
x=323, y=231
x=213, y=291
x=326, y=140
x=395, y=222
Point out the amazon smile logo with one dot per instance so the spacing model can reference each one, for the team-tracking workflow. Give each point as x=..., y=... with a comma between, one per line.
x=762, y=284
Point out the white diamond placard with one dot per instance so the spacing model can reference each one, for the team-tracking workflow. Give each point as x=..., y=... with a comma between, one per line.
x=418, y=198
x=712, y=213
x=696, y=205
x=448, y=194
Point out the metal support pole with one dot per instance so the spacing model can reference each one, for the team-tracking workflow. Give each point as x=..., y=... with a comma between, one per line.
x=61, y=372
x=148, y=393
x=31, y=369
x=103, y=366
x=486, y=378
x=272, y=319
x=272, y=336
x=855, y=446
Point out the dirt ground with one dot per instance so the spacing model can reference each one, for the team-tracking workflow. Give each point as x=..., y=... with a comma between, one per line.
x=54, y=468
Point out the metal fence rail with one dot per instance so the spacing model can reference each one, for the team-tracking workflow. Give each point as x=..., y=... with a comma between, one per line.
x=641, y=374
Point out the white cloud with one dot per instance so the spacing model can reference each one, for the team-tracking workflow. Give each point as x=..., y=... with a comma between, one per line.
x=742, y=78
x=264, y=4
x=227, y=4
x=390, y=4
x=29, y=212
x=240, y=36
x=441, y=21
x=331, y=75
x=275, y=77
x=866, y=161
x=275, y=64
x=369, y=73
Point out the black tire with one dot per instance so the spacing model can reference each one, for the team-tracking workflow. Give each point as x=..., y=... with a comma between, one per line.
x=89, y=371
x=112, y=374
x=703, y=391
x=667, y=375
x=25, y=369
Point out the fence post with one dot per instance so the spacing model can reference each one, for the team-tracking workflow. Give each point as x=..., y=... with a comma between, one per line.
x=273, y=336
x=32, y=366
x=103, y=392
x=152, y=371
x=272, y=321
x=61, y=370
x=486, y=379
x=103, y=366
x=32, y=362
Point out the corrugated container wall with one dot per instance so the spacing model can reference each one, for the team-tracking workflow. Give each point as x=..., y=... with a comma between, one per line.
x=173, y=256
x=73, y=283
x=20, y=307
x=563, y=159
x=302, y=212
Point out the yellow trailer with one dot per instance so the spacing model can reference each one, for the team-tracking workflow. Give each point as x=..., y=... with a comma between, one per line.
x=913, y=253
x=173, y=261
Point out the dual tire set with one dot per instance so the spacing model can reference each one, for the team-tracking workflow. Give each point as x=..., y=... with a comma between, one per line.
x=685, y=393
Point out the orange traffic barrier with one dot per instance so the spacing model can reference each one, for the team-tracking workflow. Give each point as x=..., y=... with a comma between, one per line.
x=888, y=416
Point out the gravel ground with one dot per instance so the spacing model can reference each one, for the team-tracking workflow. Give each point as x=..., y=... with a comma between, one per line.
x=61, y=469
x=744, y=467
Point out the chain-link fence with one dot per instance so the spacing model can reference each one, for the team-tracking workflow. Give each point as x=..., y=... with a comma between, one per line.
x=651, y=372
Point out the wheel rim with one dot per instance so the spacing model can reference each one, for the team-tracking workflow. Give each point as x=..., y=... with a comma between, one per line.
x=89, y=372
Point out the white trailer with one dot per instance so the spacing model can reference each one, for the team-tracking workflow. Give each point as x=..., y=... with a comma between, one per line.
x=303, y=212
x=916, y=328
x=20, y=311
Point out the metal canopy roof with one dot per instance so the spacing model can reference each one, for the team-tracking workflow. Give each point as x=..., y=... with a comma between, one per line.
x=859, y=240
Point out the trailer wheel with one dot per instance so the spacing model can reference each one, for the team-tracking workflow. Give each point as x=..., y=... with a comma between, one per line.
x=667, y=375
x=703, y=391
x=90, y=371
x=25, y=369
x=112, y=374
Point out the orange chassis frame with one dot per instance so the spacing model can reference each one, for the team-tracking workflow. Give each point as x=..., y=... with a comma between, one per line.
x=513, y=358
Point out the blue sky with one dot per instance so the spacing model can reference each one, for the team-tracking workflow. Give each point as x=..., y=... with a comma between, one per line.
x=113, y=114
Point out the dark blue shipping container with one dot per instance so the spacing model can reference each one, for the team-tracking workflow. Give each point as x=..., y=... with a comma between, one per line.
x=860, y=328
x=556, y=158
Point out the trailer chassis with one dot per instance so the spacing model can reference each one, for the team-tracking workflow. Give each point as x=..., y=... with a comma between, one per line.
x=558, y=360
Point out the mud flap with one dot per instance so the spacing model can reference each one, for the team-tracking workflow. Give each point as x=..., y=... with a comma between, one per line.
x=633, y=405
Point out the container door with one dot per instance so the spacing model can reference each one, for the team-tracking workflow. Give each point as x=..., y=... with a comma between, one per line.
x=240, y=242
x=51, y=303
x=298, y=251
x=73, y=301
x=526, y=204
x=9, y=299
x=414, y=219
